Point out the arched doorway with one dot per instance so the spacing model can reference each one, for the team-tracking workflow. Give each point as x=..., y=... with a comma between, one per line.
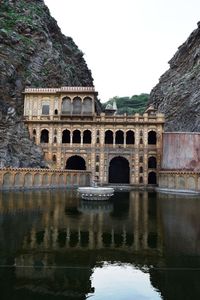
x=108, y=137
x=152, y=178
x=119, y=137
x=152, y=137
x=119, y=170
x=87, y=137
x=76, y=138
x=66, y=136
x=44, y=137
x=152, y=164
x=75, y=163
x=130, y=137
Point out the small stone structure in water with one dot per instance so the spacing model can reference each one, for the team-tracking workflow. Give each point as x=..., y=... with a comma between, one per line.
x=96, y=193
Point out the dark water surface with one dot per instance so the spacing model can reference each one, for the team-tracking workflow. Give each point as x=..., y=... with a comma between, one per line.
x=139, y=245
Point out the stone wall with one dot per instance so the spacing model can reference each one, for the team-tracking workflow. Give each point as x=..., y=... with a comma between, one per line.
x=181, y=151
x=182, y=181
x=15, y=178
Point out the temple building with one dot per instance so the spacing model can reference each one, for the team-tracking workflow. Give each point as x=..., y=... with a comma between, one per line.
x=76, y=134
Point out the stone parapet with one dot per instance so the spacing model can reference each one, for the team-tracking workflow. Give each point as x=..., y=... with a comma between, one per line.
x=31, y=178
x=179, y=181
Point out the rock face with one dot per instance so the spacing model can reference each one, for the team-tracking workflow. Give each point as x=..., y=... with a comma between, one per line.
x=177, y=94
x=33, y=52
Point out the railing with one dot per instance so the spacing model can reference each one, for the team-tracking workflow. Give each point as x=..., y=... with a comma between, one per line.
x=62, y=89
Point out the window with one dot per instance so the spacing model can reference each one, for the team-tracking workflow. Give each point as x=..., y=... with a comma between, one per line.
x=45, y=109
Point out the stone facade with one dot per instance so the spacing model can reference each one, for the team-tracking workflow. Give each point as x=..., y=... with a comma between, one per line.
x=75, y=135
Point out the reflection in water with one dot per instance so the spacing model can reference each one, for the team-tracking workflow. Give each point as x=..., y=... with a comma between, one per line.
x=52, y=244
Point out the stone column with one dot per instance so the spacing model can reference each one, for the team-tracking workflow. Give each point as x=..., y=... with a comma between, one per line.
x=81, y=138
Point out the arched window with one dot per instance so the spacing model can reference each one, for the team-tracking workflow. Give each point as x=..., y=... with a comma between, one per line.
x=45, y=109
x=44, y=137
x=34, y=131
x=55, y=112
x=141, y=141
x=119, y=137
x=141, y=159
x=130, y=137
x=152, y=138
x=87, y=137
x=152, y=163
x=87, y=106
x=66, y=136
x=97, y=158
x=76, y=139
x=108, y=137
x=55, y=131
x=54, y=158
x=66, y=106
x=77, y=106
x=141, y=169
x=141, y=179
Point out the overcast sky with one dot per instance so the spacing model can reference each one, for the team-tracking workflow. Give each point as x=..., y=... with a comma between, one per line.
x=127, y=43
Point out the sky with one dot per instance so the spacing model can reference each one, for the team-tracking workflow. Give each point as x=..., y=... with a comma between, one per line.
x=126, y=43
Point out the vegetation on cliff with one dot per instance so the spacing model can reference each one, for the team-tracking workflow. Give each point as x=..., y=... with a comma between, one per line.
x=129, y=105
x=33, y=52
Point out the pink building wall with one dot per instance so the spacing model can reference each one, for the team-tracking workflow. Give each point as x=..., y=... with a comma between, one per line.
x=181, y=151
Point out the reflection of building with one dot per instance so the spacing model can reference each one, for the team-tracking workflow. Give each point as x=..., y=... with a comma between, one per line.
x=74, y=134
x=127, y=224
x=60, y=244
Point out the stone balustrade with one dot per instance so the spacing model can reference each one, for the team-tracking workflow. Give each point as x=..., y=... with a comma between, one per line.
x=62, y=89
x=182, y=181
x=32, y=178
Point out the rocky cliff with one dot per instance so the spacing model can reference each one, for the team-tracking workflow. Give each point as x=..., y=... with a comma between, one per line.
x=33, y=52
x=177, y=94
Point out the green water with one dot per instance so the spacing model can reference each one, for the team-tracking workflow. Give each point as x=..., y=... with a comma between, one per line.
x=139, y=245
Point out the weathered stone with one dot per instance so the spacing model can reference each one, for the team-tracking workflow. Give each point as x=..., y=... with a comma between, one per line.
x=177, y=94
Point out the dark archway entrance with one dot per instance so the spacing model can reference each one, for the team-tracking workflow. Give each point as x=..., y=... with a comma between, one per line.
x=119, y=170
x=152, y=164
x=44, y=137
x=66, y=136
x=152, y=137
x=87, y=137
x=108, y=137
x=152, y=178
x=75, y=163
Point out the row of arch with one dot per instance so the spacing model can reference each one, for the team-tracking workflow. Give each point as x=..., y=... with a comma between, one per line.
x=77, y=106
x=120, y=137
x=181, y=182
x=37, y=180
